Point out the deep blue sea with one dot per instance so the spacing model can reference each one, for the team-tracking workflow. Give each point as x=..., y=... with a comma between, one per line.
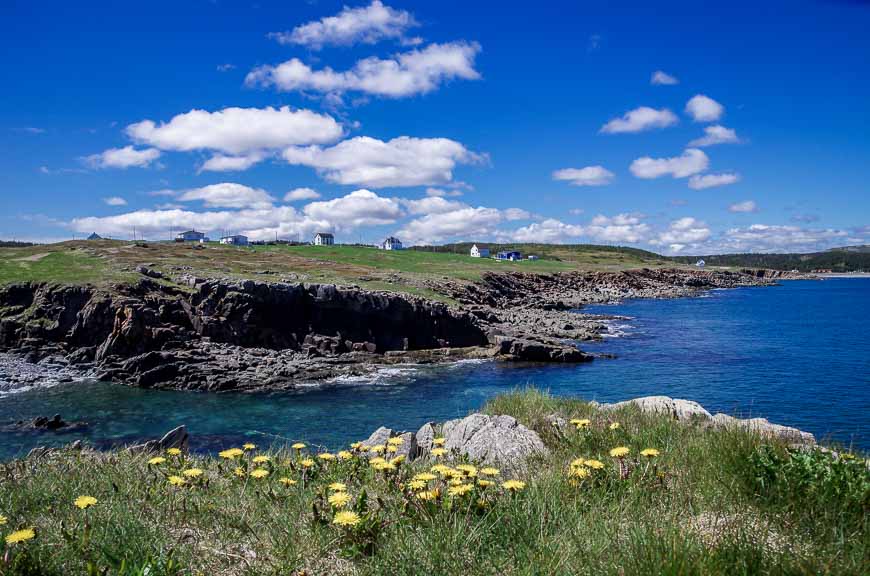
x=797, y=354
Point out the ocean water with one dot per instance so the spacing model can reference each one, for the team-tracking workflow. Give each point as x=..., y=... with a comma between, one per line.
x=797, y=354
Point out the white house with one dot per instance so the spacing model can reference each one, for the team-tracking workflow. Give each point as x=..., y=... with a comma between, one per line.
x=324, y=239
x=235, y=240
x=191, y=236
x=700, y=263
x=479, y=251
x=391, y=243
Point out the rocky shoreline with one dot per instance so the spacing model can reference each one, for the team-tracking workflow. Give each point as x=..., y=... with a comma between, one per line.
x=220, y=335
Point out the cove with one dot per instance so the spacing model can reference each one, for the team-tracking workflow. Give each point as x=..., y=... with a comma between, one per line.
x=797, y=354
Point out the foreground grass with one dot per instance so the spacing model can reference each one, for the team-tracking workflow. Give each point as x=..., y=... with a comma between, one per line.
x=710, y=502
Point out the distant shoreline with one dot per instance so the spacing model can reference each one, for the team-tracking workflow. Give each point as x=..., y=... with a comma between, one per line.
x=844, y=275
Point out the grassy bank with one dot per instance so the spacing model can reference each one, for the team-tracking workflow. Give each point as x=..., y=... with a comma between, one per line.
x=104, y=262
x=710, y=502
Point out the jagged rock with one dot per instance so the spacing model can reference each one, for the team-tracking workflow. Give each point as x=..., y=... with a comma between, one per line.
x=678, y=409
x=408, y=447
x=379, y=436
x=765, y=428
x=175, y=438
x=498, y=440
x=149, y=272
x=425, y=438
x=533, y=351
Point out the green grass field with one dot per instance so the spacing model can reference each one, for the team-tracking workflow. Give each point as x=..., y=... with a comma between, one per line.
x=410, y=271
x=709, y=502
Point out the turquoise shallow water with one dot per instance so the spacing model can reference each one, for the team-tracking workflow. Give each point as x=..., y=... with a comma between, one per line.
x=798, y=354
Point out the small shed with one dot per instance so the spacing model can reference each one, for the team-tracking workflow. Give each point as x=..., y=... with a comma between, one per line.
x=509, y=255
x=324, y=239
x=235, y=240
x=700, y=263
x=479, y=251
x=190, y=236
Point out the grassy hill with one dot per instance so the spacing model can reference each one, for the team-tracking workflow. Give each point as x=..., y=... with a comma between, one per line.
x=410, y=271
x=847, y=259
x=703, y=502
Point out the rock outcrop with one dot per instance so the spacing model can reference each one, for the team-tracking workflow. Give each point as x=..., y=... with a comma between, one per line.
x=496, y=440
x=175, y=438
x=674, y=407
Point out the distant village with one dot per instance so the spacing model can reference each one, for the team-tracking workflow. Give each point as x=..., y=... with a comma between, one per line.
x=328, y=239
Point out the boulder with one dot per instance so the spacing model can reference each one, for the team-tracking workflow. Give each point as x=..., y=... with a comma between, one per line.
x=175, y=438
x=425, y=438
x=497, y=440
x=676, y=408
x=763, y=427
x=408, y=447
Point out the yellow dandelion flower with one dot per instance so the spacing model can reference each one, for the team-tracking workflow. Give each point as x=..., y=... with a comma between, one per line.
x=85, y=502
x=649, y=452
x=513, y=485
x=416, y=485
x=439, y=441
x=287, y=481
x=345, y=455
x=363, y=448
x=231, y=453
x=485, y=483
x=156, y=460
x=377, y=460
x=577, y=462
x=193, y=472
x=453, y=473
x=438, y=452
x=355, y=445
x=307, y=463
x=397, y=441
x=427, y=495
x=459, y=490
x=240, y=472
x=581, y=422
x=20, y=536
x=385, y=467
x=298, y=446
x=594, y=464
x=455, y=482
x=247, y=447
x=398, y=460
x=490, y=471
x=338, y=487
x=326, y=456
x=440, y=469
x=468, y=469
x=425, y=477
x=392, y=449
x=346, y=518
x=619, y=452
x=580, y=472
x=339, y=499
x=174, y=451
x=261, y=459
x=259, y=473
x=177, y=480
x=3, y=520
x=614, y=426
x=379, y=449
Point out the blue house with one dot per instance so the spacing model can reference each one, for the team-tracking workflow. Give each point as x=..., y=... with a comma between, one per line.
x=509, y=255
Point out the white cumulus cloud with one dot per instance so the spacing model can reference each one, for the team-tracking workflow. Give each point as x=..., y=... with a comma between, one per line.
x=228, y=195
x=125, y=157
x=366, y=25
x=370, y=162
x=587, y=176
x=775, y=238
x=406, y=74
x=298, y=194
x=682, y=232
x=622, y=228
x=690, y=162
x=640, y=120
x=702, y=181
x=115, y=201
x=745, y=206
x=549, y=231
x=716, y=134
x=704, y=109
x=432, y=205
x=359, y=208
x=223, y=163
x=660, y=78
x=463, y=223
x=238, y=131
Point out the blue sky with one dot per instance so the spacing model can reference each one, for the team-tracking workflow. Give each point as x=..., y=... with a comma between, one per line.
x=440, y=121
